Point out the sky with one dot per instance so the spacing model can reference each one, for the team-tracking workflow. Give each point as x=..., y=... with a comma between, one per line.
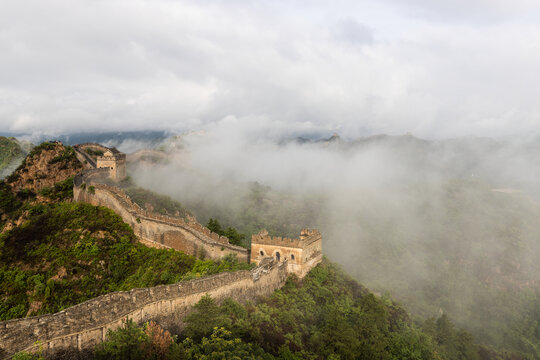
x=436, y=69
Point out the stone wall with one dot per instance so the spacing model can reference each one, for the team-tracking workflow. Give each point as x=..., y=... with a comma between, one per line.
x=154, y=229
x=86, y=324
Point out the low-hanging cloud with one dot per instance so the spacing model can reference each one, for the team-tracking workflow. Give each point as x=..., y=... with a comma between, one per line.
x=354, y=67
x=442, y=225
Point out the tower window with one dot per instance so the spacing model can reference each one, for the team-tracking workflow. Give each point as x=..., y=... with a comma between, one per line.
x=278, y=256
x=261, y=252
x=292, y=256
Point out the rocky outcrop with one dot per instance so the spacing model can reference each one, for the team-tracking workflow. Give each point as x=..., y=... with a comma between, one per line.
x=45, y=166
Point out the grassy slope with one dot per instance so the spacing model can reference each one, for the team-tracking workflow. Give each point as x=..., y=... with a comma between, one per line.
x=67, y=253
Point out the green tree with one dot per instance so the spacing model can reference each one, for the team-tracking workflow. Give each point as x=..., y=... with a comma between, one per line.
x=215, y=226
x=221, y=345
x=231, y=233
x=123, y=344
x=206, y=316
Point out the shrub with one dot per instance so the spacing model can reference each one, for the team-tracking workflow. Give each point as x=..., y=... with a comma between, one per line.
x=231, y=233
x=93, y=152
x=43, y=146
x=68, y=155
x=25, y=194
x=61, y=190
x=8, y=202
x=13, y=177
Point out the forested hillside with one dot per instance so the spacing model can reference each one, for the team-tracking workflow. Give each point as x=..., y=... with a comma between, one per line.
x=55, y=253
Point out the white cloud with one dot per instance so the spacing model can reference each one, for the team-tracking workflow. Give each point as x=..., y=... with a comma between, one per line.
x=436, y=69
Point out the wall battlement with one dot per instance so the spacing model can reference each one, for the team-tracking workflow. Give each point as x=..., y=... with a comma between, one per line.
x=85, y=325
x=307, y=236
x=151, y=228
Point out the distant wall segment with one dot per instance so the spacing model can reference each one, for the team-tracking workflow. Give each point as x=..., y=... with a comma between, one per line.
x=154, y=229
x=85, y=325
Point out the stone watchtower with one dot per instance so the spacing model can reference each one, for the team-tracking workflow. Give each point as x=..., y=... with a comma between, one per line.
x=115, y=161
x=302, y=254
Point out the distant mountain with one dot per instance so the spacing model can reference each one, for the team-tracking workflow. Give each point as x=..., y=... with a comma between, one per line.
x=127, y=141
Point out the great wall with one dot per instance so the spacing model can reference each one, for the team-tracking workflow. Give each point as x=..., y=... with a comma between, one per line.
x=85, y=325
x=154, y=229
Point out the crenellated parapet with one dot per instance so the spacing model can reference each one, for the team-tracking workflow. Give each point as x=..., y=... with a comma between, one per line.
x=307, y=236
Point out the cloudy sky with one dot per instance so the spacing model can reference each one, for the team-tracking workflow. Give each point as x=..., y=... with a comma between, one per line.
x=435, y=68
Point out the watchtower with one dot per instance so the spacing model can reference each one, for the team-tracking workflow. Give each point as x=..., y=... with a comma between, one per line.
x=115, y=161
x=302, y=254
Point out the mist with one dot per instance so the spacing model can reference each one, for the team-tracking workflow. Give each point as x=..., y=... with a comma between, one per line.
x=445, y=226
